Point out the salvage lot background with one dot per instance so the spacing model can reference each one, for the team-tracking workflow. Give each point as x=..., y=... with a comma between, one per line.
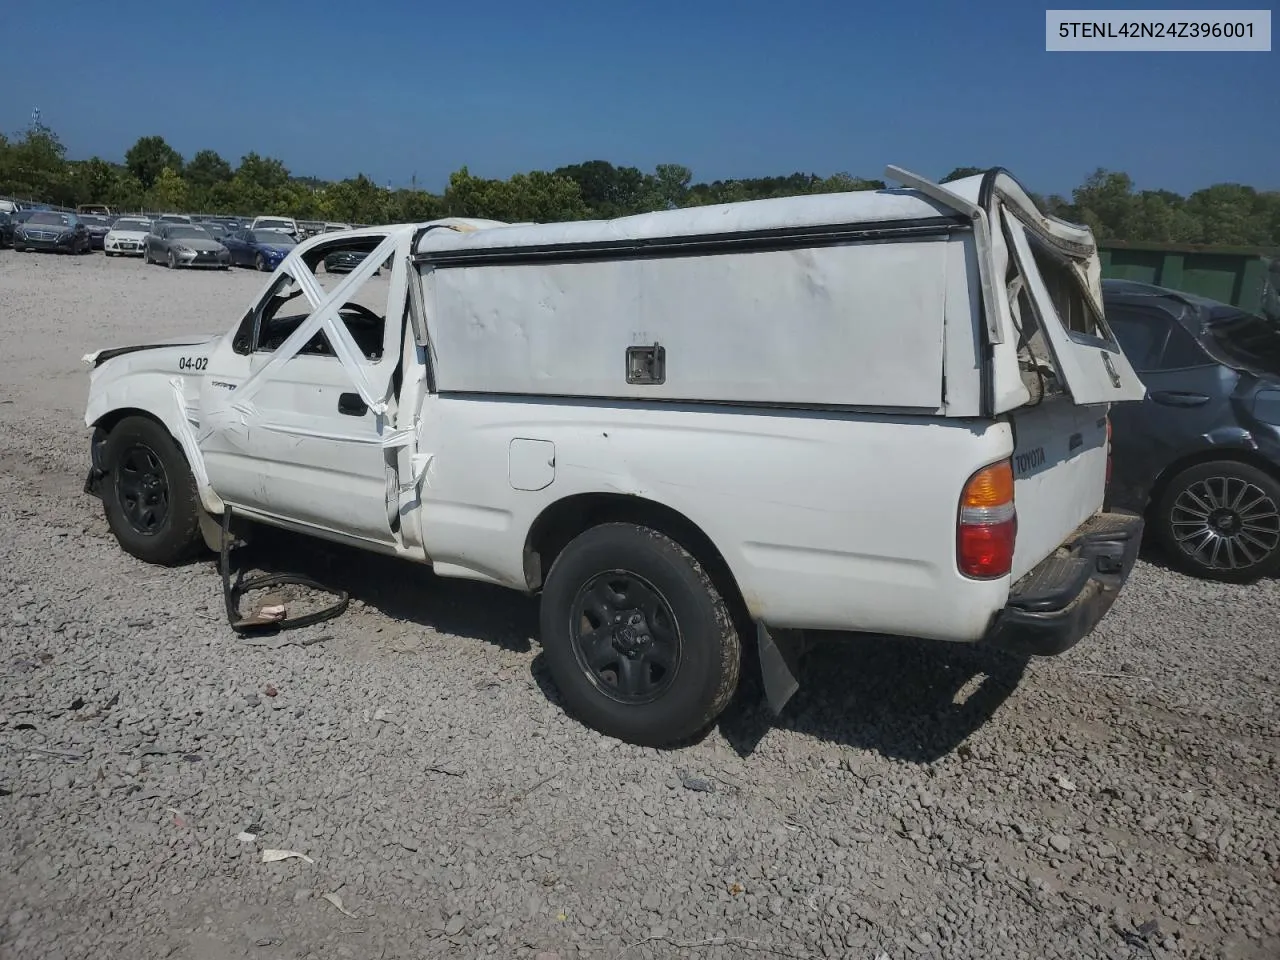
x=1118, y=801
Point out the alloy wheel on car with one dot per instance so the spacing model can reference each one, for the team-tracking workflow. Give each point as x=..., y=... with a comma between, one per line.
x=1226, y=523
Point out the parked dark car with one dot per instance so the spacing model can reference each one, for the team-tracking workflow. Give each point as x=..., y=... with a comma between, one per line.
x=263, y=249
x=98, y=228
x=52, y=230
x=6, y=230
x=215, y=229
x=1200, y=456
x=344, y=261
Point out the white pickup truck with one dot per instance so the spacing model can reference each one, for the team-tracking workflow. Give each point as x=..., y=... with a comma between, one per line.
x=878, y=411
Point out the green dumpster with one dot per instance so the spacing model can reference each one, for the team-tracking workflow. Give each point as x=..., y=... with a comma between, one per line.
x=1245, y=277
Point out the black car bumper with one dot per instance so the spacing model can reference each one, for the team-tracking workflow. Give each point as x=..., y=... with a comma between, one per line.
x=1063, y=598
x=34, y=243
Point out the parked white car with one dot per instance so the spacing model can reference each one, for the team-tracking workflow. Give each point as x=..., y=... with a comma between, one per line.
x=283, y=224
x=127, y=237
x=878, y=411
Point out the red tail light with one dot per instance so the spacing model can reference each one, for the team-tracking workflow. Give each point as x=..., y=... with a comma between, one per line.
x=988, y=524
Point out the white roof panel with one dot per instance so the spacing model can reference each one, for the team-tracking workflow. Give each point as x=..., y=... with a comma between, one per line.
x=812, y=210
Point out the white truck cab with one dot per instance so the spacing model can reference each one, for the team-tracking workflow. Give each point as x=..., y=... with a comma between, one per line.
x=756, y=422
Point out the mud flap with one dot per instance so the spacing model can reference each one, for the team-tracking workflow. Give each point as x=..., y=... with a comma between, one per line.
x=780, y=652
x=210, y=530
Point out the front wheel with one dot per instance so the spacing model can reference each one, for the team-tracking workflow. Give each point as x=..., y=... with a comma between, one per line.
x=1221, y=521
x=638, y=639
x=261, y=263
x=173, y=260
x=149, y=494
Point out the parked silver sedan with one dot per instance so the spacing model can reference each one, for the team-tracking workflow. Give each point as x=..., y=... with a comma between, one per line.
x=184, y=245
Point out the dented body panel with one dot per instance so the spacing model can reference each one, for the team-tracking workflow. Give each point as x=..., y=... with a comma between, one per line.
x=809, y=382
x=810, y=514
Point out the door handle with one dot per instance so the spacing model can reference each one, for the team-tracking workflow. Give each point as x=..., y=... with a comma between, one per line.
x=1179, y=398
x=352, y=405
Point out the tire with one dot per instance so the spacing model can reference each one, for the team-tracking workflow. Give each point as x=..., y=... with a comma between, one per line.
x=148, y=494
x=260, y=263
x=686, y=623
x=1221, y=521
x=172, y=261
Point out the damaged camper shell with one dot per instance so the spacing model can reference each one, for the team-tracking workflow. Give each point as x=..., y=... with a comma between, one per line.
x=687, y=431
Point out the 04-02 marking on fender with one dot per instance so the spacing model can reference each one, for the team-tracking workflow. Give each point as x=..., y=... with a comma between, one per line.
x=193, y=363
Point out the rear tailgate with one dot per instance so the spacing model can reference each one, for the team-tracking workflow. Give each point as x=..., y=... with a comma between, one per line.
x=1052, y=366
x=1074, y=369
x=1059, y=474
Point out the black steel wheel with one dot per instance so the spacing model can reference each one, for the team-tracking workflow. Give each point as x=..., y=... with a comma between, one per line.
x=1221, y=521
x=625, y=636
x=638, y=638
x=149, y=496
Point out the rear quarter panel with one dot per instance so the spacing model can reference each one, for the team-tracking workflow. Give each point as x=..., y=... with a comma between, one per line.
x=827, y=521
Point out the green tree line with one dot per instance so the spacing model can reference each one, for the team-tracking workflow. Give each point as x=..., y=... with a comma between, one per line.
x=156, y=177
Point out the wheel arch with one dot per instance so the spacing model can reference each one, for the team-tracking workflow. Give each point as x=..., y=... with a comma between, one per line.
x=112, y=418
x=1239, y=454
x=108, y=420
x=561, y=521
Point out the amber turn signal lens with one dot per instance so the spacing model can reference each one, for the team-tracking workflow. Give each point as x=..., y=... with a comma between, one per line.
x=990, y=487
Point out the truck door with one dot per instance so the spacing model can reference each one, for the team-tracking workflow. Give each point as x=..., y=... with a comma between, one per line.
x=304, y=443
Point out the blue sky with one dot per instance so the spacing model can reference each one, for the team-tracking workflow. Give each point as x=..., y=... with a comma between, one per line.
x=730, y=88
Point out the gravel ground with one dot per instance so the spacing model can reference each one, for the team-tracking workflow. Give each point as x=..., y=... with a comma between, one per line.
x=913, y=801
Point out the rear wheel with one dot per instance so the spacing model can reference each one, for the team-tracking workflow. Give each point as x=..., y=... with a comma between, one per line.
x=1221, y=521
x=149, y=494
x=638, y=639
